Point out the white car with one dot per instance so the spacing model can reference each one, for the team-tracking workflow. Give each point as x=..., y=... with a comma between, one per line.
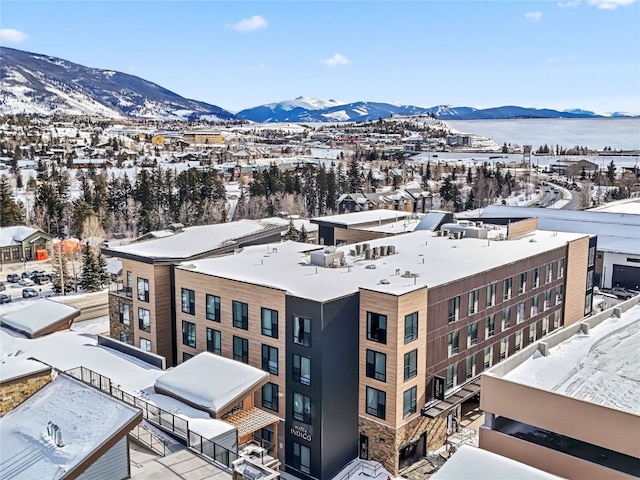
x=25, y=282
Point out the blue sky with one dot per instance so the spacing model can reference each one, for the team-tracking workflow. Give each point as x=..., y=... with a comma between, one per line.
x=240, y=54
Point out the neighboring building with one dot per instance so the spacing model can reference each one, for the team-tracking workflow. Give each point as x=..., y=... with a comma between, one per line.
x=202, y=137
x=617, y=259
x=67, y=430
x=574, y=168
x=19, y=379
x=408, y=200
x=569, y=403
x=141, y=307
x=24, y=244
x=42, y=317
x=359, y=338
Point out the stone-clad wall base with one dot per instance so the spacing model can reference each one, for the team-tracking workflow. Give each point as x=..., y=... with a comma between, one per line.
x=115, y=327
x=13, y=394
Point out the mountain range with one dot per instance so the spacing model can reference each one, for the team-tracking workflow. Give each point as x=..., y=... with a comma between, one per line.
x=45, y=85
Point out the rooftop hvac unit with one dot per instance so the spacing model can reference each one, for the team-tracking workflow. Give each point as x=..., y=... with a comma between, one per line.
x=439, y=233
x=368, y=254
x=365, y=246
x=407, y=274
x=376, y=252
x=251, y=473
x=391, y=250
x=358, y=249
x=352, y=253
x=384, y=250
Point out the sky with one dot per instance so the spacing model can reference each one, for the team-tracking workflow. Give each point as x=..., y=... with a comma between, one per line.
x=240, y=54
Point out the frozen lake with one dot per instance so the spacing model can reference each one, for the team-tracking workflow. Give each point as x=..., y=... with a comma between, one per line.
x=618, y=133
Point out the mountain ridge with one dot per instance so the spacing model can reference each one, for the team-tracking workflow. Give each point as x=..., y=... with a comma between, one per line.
x=45, y=85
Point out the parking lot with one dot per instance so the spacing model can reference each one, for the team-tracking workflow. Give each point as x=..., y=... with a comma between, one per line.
x=14, y=290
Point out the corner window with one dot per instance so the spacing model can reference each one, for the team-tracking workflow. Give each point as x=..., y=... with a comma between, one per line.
x=377, y=327
x=213, y=308
x=302, y=331
x=240, y=349
x=214, y=341
x=410, y=327
x=188, y=301
x=144, y=321
x=240, y=315
x=188, y=334
x=143, y=289
x=301, y=369
x=410, y=364
x=453, y=308
x=269, y=322
x=301, y=407
x=270, y=396
x=409, y=402
x=270, y=359
x=592, y=256
x=376, y=402
x=561, y=268
x=376, y=365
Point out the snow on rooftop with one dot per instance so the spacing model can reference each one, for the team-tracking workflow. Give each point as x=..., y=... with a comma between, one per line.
x=14, y=235
x=85, y=417
x=20, y=367
x=431, y=261
x=38, y=316
x=366, y=216
x=627, y=206
x=227, y=381
x=194, y=240
x=474, y=463
x=601, y=367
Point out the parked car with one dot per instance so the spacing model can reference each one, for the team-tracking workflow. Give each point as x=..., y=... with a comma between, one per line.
x=621, y=292
x=30, y=292
x=27, y=274
x=4, y=298
x=3, y=287
x=13, y=278
x=26, y=282
x=41, y=279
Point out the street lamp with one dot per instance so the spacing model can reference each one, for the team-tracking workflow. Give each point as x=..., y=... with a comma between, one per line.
x=24, y=264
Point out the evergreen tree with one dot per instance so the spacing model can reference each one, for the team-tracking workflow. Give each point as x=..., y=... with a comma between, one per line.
x=292, y=232
x=10, y=211
x=353, y=175
x=61, y=279
x=469, y=176
x=89, y=279
x=304, y=236
x=611, y=172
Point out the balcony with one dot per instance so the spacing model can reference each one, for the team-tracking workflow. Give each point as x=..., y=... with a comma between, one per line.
x=117, y=288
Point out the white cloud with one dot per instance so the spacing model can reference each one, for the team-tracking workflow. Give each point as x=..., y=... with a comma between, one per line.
x=533, y=16
x=9, y=35
x=569, y=4
x=249, y=24
x=553, y=59
x=610, y=4
x=335, y=61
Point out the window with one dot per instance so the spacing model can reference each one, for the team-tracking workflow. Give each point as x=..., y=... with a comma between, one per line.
x=270, y=396
x=301, y=407
x=532, y=333
x=240, y=315
x=547, y=299
x=410, y=364
x=545, y=326
x=409, y=402
x=129, y=284
x=124, y=313
x=588, y=299
x=301, y=369
x=558, y=294
x=241, y=349
x=270, y=359
x=506, y=289
x=589, y=280
x=376, y=327
x=301, y=457
x=491, y=295
x=561, y=268
x=536, y=278
x=472, y=334
x=548, y=273
x=376, y=402
x=534, y=305
x=125, y=337
x=186, y=356
x=302, y=331
x=213, y=308
x=269, y=322
x=518, y=340
x=376, y=365
x=557, y=315
x=506, y=318
x=188, y=333
x=470, y=366
x=452, y=376
x=490, y=326
x=488, y=357
x=188, y=301
x=520, y=312
x=145, y=345
x=504, y=348
x=143, y=289
x=454, y=309
x=522, y=283
x=474, y=296
x=592, y=256
x=214, y=341
x=453, y=343
x=410, y=327
x=144, y=321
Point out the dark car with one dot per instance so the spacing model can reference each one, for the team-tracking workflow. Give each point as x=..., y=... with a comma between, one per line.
x=30, y=292
x=3, y=287
x=4, y=298
x=28, y=275
x=13, y=278
x=41, y=279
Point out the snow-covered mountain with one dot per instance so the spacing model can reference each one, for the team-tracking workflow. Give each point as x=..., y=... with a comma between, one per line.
x=45, y=85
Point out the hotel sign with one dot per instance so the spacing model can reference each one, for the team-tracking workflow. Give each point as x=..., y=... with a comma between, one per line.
x=438, y=388
x=302, y=430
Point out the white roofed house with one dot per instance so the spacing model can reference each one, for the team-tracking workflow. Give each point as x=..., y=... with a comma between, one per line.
x=23, y=243
x=42, y=317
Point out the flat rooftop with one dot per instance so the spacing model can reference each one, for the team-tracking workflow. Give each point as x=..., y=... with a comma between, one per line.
x=601, y=367
x=364, y=217
x=430, y=260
